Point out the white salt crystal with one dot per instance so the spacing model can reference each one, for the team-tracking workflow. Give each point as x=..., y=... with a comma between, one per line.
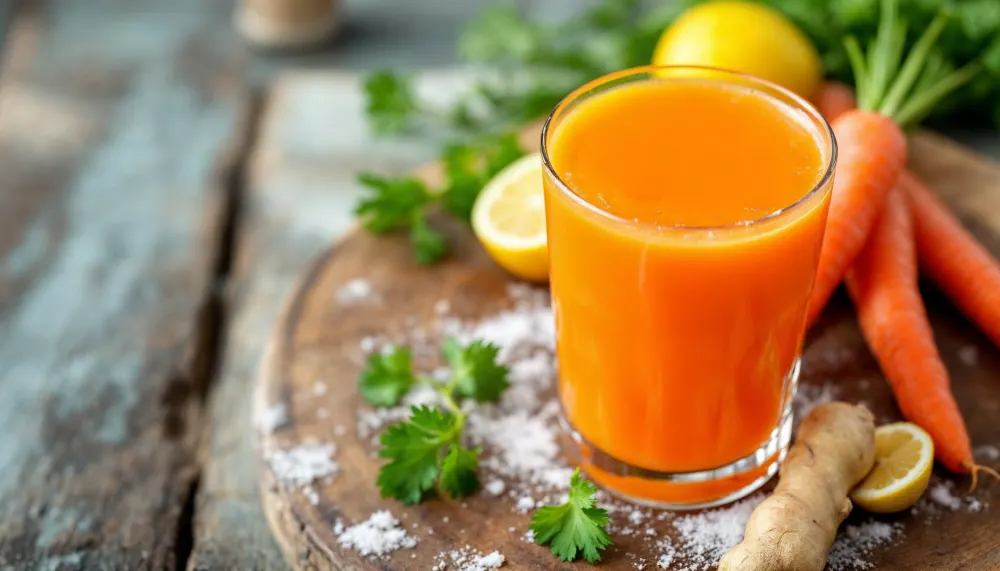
x=941, y=494
x=319, y=389
x=303, y=464
x=808, y=397
x=379, y=535
x=969, y=355
x=495, y=487
x=355, y=290
x=524, y=503
x=442, y=307
x=855, y=544
x=491, y=561
x=271, y=418
x=635, y=517
x=987, y=452
x=368, y=344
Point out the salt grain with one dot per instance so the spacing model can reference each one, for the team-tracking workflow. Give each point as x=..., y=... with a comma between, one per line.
x=855, y=544
x=271, y=418
x=319, y=389
x=355, y=290
x=969, y=355
x=495, y=487
x=987, y=452
x=524, y=503
x=941, y=494
x=303, y=464
x=379, y=535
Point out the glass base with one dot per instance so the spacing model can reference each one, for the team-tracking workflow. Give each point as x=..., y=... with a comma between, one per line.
x=686, y=490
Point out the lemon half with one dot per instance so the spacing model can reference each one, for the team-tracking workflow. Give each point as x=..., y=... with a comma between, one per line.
x=904, y=458
x=509, y=219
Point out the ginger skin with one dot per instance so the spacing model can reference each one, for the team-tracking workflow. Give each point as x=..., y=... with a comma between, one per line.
x=793, y=529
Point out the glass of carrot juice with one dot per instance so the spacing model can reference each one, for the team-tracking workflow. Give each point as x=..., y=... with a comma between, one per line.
x=685, y=208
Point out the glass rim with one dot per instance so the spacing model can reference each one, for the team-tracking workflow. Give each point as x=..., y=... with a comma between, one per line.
x=796, y=101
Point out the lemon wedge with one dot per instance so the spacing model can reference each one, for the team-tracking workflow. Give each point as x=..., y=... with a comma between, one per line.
x=509, y=219
x=904, y=457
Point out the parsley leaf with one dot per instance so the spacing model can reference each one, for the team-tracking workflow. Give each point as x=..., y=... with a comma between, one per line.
x=458, y=471
x=468, y=167
x=475, y=372
x=414, y=448
x=387, y=377
x=390, y=102
x=428, y=244
x=388, y=203
x=576, y=527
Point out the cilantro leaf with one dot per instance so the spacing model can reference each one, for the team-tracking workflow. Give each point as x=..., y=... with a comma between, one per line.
x=387, y=377
x=390, y=102
x=468, y=167
x=475, y=372
x=429, y=245
x=414, y=449
x=576, y=527
x=458, y=471
x=388, y=204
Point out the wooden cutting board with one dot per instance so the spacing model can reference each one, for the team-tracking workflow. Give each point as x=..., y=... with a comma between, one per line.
x=309, y=370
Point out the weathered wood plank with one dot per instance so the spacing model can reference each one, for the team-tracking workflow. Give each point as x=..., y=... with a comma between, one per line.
x=111, y=116
x=299, y=191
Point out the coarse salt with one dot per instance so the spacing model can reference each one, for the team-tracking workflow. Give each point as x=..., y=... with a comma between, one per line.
x=355, y=290
x=379, y=535
x=271, y=417
x=941, y=494
x=495, y=487
x=303, y=464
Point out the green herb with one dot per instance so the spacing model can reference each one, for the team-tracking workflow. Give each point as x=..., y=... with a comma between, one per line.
x=389, y=204
x=387, y=377
x=906, y=90
x=427, y=449
x=391, y=104
x=576, y=527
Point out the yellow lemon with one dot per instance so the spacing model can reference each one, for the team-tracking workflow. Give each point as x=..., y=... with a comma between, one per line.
x=509, y=219
x=746, y=37
x=904, y=457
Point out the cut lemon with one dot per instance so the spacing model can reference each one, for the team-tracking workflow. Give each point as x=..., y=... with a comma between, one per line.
x=904, y=457
x=509, y=219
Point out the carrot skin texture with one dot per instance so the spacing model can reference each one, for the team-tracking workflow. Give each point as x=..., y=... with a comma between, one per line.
x=954, y=260
x=833, y=99
x=884, y=286
x=872, y=154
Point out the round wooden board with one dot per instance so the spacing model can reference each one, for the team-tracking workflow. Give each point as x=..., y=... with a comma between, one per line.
x=311, y=365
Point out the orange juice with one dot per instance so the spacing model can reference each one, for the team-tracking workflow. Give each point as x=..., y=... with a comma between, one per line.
x=685, y=212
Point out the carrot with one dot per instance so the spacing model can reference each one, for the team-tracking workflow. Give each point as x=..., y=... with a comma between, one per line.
x=952, y=258
x=833, y=99
x=872, y=151
x=883, y=285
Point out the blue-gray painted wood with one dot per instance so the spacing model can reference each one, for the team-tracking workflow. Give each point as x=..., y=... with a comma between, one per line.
x=111, y=118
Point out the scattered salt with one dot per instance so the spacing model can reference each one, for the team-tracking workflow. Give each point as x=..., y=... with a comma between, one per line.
x=491, y=561
x=303, y=464
x=987, y=452
x=339, y=430
x=975, y=506
x=808, y=397
x=319, y=389
x=495, y=487
x=379, y=535
x=941, y=494
x=636, y=517
x=855, y=543
x=969, y=355
x=703, y=538
x=524, y=503
x=442, y=307
x=368, y=344
x=468, y=559
x=355, y=290
x=311, y=495
x=272, y=417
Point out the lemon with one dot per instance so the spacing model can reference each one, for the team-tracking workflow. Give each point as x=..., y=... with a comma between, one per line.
x=904, y=457
x=509, y=219
x=746, y=37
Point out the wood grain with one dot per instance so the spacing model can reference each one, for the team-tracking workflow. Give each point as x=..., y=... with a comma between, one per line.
x=317, y=341
x=299, y=190
x=109, y=225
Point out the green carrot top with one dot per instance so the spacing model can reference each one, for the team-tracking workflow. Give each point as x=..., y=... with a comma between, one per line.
x=907, y=90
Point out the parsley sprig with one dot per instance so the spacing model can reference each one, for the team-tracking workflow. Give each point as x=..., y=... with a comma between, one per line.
x=426, y=450
x=577, y=527
x=395, y=204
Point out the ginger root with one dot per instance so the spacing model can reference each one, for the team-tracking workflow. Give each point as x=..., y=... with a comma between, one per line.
x=794, y=528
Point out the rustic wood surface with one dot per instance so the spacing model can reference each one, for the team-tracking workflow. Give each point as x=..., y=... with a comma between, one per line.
x=134, y=254
x=110, y=134
x=317, y=341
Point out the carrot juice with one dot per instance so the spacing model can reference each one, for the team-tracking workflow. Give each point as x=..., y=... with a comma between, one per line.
x=685, y=209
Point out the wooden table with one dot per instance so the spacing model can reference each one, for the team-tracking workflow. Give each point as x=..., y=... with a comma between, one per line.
x=161, y=191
